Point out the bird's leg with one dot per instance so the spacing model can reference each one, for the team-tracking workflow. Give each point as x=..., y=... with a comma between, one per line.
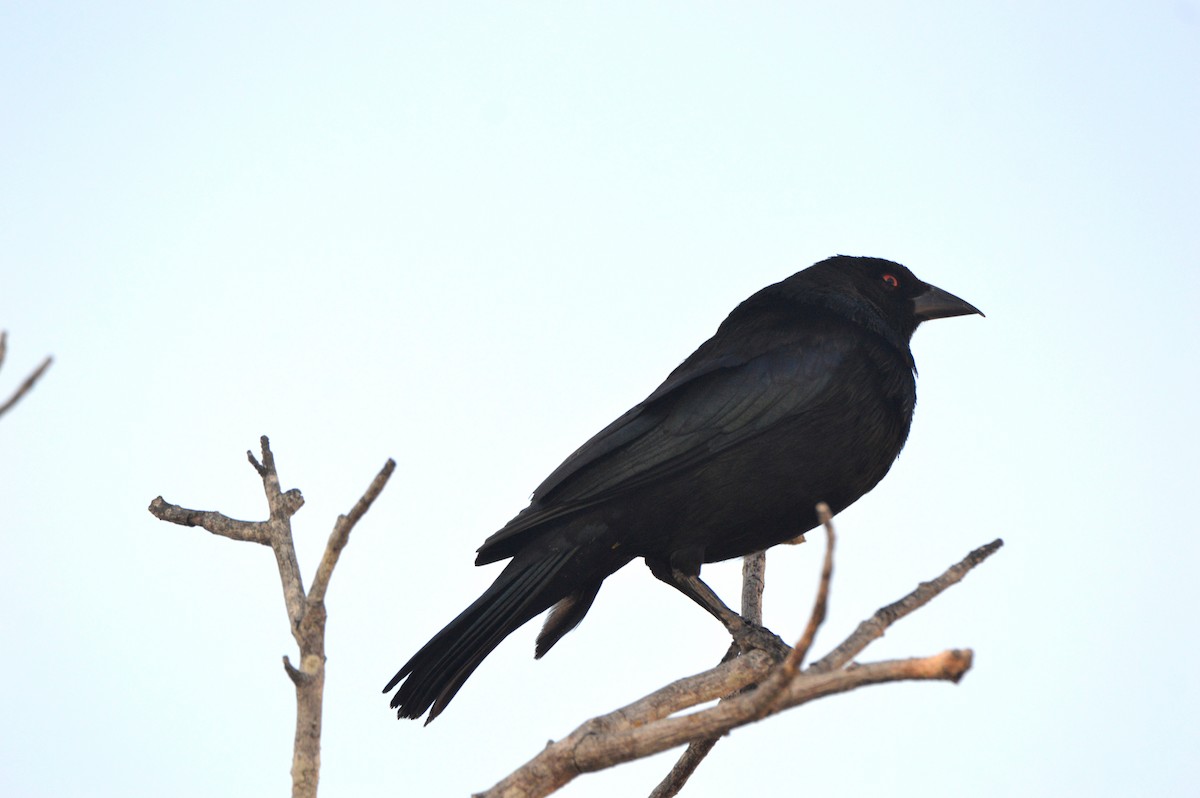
x=746, y=635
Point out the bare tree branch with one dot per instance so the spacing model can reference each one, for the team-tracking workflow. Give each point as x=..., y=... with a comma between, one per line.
x=684, y=767
x=648, y=726
x=873, y=628
x=341, y=531
x=25, y=386
x=592, y=753
x=306, y=613
x=214, y=522
x=681, y=694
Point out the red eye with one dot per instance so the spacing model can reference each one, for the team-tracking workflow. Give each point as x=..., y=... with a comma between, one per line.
x=890, y=281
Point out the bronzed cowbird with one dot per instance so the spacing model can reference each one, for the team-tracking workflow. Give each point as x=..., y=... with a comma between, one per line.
x=804, y=394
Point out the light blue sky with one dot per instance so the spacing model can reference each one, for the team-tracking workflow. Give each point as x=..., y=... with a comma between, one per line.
x=469, y=236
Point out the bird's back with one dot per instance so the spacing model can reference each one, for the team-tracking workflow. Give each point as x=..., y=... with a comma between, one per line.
x=734, y=450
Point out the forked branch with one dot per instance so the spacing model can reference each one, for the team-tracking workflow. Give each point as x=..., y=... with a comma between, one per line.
x=306, y=612
x=750, y=689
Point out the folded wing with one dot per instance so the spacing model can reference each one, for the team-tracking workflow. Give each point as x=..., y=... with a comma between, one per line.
x=716, y=399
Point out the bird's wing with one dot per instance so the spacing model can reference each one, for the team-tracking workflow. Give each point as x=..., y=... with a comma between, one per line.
x=714, y=400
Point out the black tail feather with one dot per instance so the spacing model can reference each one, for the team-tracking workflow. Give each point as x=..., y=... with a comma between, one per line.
x=435, y=673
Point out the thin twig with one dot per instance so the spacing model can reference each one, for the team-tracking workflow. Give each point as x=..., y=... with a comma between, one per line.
x=341, y=532
x=873, y=628
x=800, y=650
x=684, y=767
x=783, y=676
x=28, y=384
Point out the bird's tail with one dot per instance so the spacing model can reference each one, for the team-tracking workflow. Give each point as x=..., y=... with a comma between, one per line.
x=436, y=672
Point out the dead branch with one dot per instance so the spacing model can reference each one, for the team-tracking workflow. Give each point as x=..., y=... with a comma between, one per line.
x=649, y=726
x=873, y=628
x=25, y=386
x=306, y=612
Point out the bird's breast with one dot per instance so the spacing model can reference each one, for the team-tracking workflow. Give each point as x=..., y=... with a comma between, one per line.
x=763, y=490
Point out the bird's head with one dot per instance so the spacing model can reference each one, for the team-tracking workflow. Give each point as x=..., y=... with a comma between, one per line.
x=876, y=292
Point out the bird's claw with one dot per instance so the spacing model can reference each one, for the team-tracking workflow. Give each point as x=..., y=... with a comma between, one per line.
x=750, y=637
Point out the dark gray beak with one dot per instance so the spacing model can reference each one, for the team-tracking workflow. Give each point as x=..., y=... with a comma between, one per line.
x=934, y=303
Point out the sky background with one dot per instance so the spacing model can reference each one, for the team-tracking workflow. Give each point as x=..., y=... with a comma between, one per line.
x=468, y=236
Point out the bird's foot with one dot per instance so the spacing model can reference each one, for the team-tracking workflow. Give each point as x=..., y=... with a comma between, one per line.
x=750, y=636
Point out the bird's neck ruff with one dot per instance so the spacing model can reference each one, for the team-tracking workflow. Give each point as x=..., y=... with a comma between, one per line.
x=866, y=315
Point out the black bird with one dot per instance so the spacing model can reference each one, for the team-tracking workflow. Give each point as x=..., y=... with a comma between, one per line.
x=805, y=394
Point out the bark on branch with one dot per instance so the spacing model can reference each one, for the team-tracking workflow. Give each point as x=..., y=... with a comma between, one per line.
x=750, y=687
x=306, y=611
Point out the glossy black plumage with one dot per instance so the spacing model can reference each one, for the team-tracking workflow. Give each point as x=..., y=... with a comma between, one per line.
x=804, y=394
